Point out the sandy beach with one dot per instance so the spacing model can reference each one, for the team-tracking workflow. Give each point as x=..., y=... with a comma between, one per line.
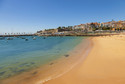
x=105, y=64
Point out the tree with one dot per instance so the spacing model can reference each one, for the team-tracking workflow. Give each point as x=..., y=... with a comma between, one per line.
x=86, y=30
x=93, y=29
x=59, y=28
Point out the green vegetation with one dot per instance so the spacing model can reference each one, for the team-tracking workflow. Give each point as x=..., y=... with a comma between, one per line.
x=69, y=28
x=106, y=28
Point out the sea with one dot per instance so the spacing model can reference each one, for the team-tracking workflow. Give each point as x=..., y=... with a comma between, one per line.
x=24, y=53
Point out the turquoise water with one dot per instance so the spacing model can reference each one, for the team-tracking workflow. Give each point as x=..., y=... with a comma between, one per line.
x=18, y=55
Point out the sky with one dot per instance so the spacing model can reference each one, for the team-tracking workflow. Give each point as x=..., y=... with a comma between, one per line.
x=34, y=15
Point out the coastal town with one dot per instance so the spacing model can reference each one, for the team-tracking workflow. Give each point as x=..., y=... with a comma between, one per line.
x=88, y=28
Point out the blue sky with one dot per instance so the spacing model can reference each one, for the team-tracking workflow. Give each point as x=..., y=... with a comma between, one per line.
x=33, y=15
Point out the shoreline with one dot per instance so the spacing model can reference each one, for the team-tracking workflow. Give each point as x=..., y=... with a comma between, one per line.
x=54, y=35
x=104, y=64
x=34, y=76
x=75, y=59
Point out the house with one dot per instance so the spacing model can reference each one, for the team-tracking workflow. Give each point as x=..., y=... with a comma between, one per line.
x=48, y=31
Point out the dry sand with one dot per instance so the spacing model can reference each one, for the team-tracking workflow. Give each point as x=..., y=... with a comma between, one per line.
x=105, y=64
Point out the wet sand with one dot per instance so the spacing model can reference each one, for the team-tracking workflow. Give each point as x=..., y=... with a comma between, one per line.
x=105, y=64
x=54, y=69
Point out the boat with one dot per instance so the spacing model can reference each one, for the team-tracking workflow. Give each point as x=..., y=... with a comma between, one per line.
x=44, y=37
x=23, y=38
x=26, y=39
x=34, y=38
x=2, y=38
x=9, y=38
x=18, y=37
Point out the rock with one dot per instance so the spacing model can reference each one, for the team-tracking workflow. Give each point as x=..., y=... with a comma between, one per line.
x=51, y=63
x=34, y=73
x=1, y=73
x=66, y=55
